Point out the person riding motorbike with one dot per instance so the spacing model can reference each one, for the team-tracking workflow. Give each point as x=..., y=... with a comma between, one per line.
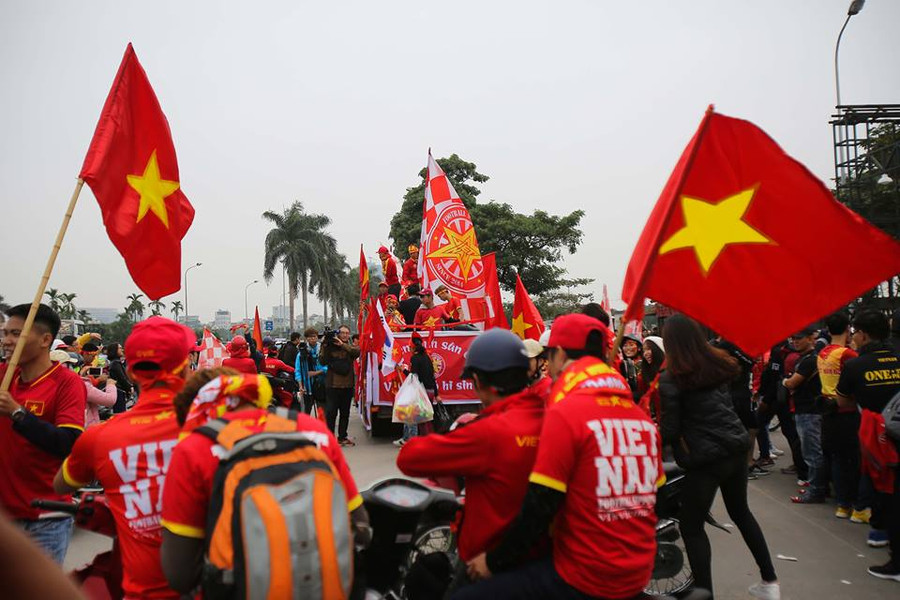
x=494, y=452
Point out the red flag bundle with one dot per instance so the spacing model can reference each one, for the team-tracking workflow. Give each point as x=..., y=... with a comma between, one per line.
x=494, y=315
x=132, y=170
x=746, y=240
x=363, y=275
x=257, y=331
x=527, y=322
x=604, y=303
x=448, y=252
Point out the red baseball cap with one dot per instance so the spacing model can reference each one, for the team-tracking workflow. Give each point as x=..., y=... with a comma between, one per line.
x=383, y=250
x=160, y=341
x=570, y=332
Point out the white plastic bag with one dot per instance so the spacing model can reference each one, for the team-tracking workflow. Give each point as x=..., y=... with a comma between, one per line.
x=411, y=404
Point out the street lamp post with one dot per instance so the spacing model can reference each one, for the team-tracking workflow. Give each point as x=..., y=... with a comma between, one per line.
x=246, y=287
x=855, y=7
x=185, y=289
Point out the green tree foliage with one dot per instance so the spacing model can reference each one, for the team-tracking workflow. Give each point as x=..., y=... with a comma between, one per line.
x=532, y=245
x=135, y=308
x=177, y=308
x=156, y=307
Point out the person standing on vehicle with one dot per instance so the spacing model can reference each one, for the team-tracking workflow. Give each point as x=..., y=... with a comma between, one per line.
x=597, y=469
x=41, y=416
x=338, y=355
x=710, y=442
x=495, y=452
x=130, y=454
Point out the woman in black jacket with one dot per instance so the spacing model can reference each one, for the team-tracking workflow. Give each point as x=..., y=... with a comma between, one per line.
x=117, y=372
x=710, y=443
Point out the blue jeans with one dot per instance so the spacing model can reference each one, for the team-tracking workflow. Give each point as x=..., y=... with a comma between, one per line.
x=51, y=535
x=410, y=431
x=809, y=428
x=535, y=581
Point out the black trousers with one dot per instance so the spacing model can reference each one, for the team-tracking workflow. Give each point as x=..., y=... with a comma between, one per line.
x=700, y=486
x=337, y=400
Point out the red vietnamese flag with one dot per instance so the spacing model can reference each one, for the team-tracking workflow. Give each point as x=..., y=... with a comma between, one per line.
x=132, y=170
x=257, y=331
x=745, y=239
x=494, y=314
x=527, y=322
x=363, y=274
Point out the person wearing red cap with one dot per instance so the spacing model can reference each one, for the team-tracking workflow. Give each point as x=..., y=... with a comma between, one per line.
x=130, y=453
x=428, y=314
x=389, y=268
x=597, y=469
x=239, y=356
x=411, y=267
x=392, y=314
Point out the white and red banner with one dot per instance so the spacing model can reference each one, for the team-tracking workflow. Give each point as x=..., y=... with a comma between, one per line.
x=448, y=251
x=212, y=351
x=447, y=350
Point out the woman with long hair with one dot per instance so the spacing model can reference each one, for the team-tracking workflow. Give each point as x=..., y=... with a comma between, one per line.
x=710, y=444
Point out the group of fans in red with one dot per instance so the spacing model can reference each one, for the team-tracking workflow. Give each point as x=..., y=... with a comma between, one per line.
x=561, y=467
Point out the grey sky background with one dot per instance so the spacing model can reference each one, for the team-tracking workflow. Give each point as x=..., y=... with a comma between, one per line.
x=565, y=105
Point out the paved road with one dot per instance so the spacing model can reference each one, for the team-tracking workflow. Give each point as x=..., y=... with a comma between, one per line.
x=831, y=554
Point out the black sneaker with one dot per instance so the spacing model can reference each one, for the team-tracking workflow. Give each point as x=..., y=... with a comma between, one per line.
x=886, y=571
x=757, y=470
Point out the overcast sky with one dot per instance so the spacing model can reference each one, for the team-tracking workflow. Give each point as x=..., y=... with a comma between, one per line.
x=565, y=105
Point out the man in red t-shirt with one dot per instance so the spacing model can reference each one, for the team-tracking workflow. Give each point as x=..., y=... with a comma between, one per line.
x=41, y=416
x=428, y=314
x=451, y=304
x=130, y=453
x=189, y=482
x=411, y=267
x=506, y=431
x=389, y=268
x=597, y=470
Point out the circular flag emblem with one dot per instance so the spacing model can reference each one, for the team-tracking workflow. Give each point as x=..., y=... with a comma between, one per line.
x=437, y=361
x=451, y=251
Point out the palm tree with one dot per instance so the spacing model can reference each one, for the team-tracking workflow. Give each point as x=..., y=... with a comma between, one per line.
x=135, y=308
x=67, y=308
x=177, y=307
x=299, y=243
x=83, y=316
x=156, y=307
x=55, y=298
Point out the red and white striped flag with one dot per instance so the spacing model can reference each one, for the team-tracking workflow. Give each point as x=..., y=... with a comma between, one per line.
x=448, y=250
x=212, y=351
x=604, y=303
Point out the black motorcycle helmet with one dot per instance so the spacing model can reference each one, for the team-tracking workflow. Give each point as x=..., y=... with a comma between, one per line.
x=500, y=359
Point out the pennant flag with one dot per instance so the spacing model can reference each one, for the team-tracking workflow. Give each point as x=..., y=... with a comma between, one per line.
x=527, y=322
x=388, y=358
x=495, y=315
x=257, y=331
x=746, y=240
x=604, y=303
x=363, y=274
x=132, y=170
x=448, y=249
x=212, y=351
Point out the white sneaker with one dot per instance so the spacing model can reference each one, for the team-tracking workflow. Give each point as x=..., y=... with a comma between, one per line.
x=399, y=443
x=766, y=591
x=775, y=452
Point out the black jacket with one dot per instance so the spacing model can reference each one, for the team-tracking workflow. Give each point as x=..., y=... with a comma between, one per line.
x=408, y=309
x=701, y=425
x=423, y=368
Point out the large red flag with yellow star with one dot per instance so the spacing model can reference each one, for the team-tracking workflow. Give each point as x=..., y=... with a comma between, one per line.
x=132, y=170
x=746, y=240
x=527, y=322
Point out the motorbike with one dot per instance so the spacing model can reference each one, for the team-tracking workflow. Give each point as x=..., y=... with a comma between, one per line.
x=672, y=574
x=101, y=579
x=412, y=529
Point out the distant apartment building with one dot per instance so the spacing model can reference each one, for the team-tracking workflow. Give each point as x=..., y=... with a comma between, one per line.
x=102, y=315
x=222, y=319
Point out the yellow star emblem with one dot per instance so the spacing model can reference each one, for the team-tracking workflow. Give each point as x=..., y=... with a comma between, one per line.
x=153, y=191
x=709, y=228
x=431, y=321
x=462, y=247
x=520, y=325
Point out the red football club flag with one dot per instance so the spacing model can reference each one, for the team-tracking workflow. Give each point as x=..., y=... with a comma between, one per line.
x=448, y=252
x=746, y=240
x=132, y=170
x=257, y=331
x=527, y=322
x=363, y=275
x=495, y=316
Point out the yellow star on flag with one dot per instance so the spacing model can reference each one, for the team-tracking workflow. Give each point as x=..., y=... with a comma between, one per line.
x=709, y=228
x=153, y=191
x=461, y=247
x=520, y=325
x=431, y=321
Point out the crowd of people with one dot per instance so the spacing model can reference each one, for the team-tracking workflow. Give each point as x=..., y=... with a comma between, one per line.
x=560, y=468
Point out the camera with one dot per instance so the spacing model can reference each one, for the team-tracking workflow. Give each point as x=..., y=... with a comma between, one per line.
x=329, y=335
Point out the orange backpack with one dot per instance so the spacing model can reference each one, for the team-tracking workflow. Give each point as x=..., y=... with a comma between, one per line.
x=278, y=524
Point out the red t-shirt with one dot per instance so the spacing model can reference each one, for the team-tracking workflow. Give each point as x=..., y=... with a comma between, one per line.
x=189, y=481
x=602, y=451
x=26, y=472
x=410, y=272
x=495, y=454
x=130, y=455
x=242, y=365
x=390, y=272
x=273, y=366
x=429, y=317
x=830, y=363
x=453, y=308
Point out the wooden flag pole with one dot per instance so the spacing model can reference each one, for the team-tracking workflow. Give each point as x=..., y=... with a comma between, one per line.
x=620, y=334
x=29, y=321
